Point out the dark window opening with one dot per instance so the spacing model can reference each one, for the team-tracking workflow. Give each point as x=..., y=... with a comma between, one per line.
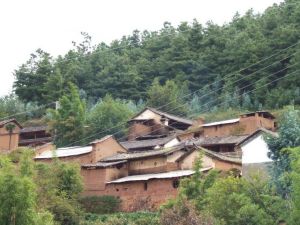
x=145, y=186
x=155, y=163
x=175, y=183
x=117, y=189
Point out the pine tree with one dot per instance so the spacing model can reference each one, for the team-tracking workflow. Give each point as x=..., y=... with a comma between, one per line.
x=67, y=122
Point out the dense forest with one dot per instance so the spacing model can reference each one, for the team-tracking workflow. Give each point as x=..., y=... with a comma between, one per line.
x=250, y=62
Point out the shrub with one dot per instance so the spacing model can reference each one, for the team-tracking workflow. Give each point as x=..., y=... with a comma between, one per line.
x=100, y=204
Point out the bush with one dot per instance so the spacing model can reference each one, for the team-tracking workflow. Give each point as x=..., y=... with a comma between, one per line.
x=100, y=204
x=136, y=218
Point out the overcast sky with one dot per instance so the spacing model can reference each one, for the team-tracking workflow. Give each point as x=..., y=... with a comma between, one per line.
x=52, y=25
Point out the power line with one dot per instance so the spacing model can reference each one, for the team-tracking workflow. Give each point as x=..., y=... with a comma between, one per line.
x=231, y=74
x=180, y=106
x=280, y=78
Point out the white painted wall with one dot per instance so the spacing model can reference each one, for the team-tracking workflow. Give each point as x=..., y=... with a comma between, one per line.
x=171, y=143
x=255, y=151
x=147, y=114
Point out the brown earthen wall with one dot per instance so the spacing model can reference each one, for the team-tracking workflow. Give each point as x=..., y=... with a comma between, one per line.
x=5, y=137
x=140, y=195
x=106, y=148
x=246, y=125
x=138, y=129
x=148, y=165
x=93, y=179
x=226, y=166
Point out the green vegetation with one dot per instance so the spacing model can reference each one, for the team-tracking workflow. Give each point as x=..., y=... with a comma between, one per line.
x=100, y=204
x=34, y=194
x=289, y=133
x=67, y=122
x=207, y=57
x=136, y=218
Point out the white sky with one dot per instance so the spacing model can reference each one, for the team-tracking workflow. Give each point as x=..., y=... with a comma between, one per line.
x=52, y=25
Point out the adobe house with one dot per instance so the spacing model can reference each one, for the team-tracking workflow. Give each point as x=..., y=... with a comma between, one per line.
x=9, y=135
x=92, y=153
x=246, y=124
x=34, y=136
x=140, y=178
x=151, y=123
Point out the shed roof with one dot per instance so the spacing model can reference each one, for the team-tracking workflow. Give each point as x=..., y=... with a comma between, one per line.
x=143, y=154
x=34, y=129
x=227, y=158
x=167, y=115
x=146, y=143
x=167, y=175
x=225, y=140
x=103, y=164
x=65, y=152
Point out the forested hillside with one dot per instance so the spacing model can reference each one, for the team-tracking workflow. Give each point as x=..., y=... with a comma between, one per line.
x=205, y=58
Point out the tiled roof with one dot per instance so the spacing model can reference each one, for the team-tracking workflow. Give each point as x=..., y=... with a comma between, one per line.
x=167, y=175
x=227, y=158
x=257, y=132
x=4, y=122
x=65, y=152
x=103, y=164
x=232, y=139
x=146, y=143
x=34, y=129
x=172, y=117
x=143, y=154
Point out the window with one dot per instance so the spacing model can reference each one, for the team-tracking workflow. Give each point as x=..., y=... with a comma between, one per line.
x=155, y=163
x=175, y=184
x=145, y=186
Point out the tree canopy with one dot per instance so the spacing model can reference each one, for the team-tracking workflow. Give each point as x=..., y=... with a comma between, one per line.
x=207, y=58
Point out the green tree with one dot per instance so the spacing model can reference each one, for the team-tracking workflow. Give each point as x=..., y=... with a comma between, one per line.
x=295, y=180
x=167, y=98
x=68, y=121
x=108, y=116
x=289, y=133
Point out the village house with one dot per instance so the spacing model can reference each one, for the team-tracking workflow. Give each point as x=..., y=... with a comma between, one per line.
x=92, y=153
x=246, y=124
x=152, y=123
x=9, y=135
x=146, y=170
x=34, y=136
x=145, y=178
